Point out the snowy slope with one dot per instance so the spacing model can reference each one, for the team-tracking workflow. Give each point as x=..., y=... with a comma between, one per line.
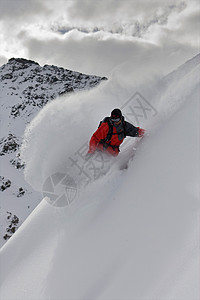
x=25, y=88
x=132, y=234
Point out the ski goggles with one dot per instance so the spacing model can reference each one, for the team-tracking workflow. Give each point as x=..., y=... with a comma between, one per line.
x=115, y=119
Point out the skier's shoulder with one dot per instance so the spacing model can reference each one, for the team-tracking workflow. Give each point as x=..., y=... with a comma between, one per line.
x=105, y=122
x=104, y=126
x=128, y=124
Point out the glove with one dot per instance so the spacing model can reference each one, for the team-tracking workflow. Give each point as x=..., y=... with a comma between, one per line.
x=141, y=132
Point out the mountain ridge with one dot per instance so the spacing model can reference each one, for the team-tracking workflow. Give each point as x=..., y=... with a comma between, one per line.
x=26, y=87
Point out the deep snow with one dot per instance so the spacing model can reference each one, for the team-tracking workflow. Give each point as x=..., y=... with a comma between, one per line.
x=132, y=234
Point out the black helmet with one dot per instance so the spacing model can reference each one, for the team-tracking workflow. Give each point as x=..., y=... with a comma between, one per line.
x=116, y=113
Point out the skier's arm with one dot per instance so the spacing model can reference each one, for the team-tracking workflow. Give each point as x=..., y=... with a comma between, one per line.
x=99, y=134
x=133, y=131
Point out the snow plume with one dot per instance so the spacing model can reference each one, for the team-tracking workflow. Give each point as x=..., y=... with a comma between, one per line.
x=66, y=124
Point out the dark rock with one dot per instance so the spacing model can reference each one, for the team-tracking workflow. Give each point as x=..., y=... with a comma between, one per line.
x=22, y=61
x=13, y=225
x=4, y=183
x=21, y=192
x=17, y=162
x=9, y=144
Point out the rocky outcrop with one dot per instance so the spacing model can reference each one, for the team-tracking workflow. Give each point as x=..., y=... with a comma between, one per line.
x=8, y=144
x=25, y=88
x=35, y=85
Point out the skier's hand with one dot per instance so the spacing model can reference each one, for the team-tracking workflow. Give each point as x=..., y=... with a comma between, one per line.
x=141, y=132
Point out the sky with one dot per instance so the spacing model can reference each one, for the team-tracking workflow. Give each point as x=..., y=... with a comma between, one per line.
x=97, y=36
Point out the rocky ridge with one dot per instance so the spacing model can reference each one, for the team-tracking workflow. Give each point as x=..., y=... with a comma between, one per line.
x=36, y=85
x=25, y=87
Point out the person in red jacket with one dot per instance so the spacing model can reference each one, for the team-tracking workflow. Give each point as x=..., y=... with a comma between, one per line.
x=111, y=133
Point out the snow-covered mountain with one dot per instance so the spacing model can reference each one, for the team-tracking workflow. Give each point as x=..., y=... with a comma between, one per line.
x=25, y=87
x=131, y=234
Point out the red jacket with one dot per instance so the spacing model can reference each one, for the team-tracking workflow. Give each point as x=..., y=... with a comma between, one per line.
x=112, y=146
x=101, y=134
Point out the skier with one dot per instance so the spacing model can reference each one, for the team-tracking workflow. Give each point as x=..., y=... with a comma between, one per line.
x=111, y=133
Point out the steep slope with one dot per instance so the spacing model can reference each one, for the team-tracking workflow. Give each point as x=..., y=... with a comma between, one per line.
x=26, y=88
x=132, y=234
x=182, y=71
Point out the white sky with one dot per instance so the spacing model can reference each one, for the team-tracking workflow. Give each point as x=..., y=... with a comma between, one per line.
x=95, y=36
